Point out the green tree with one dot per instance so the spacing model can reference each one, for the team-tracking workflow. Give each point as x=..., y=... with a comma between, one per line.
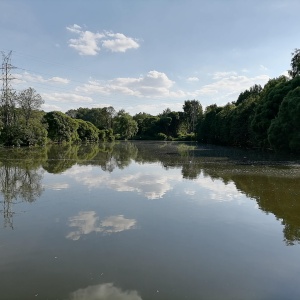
x=174, y=125
x=295, y=64
x=240, y=122
x=207, y=131
x=87, y=131
x=253, y=91
x=61, y=128
x=192, y=113
x=267, y=108
x=125, y=125
x=28, y=101
x=284, y=132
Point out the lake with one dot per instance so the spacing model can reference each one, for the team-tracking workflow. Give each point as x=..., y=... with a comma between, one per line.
x=148, y=220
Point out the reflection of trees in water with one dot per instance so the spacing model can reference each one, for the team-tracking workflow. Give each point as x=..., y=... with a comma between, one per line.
x=107, y=155
x=17, y=184
x=276, y=191
x=60, y=158
x=277, y=195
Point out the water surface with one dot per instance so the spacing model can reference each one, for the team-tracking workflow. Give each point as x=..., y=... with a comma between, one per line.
x=132, y=221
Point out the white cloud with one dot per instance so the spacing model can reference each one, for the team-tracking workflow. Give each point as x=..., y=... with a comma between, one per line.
x=50, y=107
x=154, y=108
x=118, y=42
x=59, y=80
x=27, y=77
x=189, y=192
x=245, y=70
x=193, y=79
x=152, y=185
x=57, y=186
x=88, y=43
x=227, y=87
x=87, y=222
x=263, y=68
x=154, y=84
x=217, y=190
x=66, y=97
x=220, y=75
x=106, y=291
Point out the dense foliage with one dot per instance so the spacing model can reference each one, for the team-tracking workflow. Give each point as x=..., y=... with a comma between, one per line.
x=262, y=117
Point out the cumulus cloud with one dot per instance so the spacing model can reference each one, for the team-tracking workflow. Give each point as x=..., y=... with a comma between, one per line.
x=87, y=41
x=227, y=86
x=50, y=107
x=219, y=75
x=154, y=108
x=118, y=42
x=105, y=291
x=66, y=98
x=57, y=186
x=59, y=80
x=90, y=43
x=27, y=77
x=193, y=79
x=153, y=84
x=87, y=222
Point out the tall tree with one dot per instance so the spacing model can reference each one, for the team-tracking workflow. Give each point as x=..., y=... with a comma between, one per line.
x=28, y=101
x=125, y=125
x=284, y=132
x=295, y=64
x=253, y=91
x=192, y=113
x=61, y=128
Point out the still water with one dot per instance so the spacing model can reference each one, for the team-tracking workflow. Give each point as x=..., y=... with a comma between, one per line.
x=133, y=221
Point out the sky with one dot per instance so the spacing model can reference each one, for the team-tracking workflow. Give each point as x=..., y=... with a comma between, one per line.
x=146, y=55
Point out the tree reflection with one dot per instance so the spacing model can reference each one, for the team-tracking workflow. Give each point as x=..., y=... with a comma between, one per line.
x=276, y=190
x=18, y=183
x=276, y=195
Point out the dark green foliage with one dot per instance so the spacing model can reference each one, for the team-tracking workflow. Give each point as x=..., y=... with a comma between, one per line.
x=148, y=127
x=172, y=121
x=208, y=129
x=192, y=113
x=268, y=107
x=109, y=134
x=29, y=101
x=295, y=64
x=253, y=91
x=102, y=118
x=241, y=116
x=60, y=158
x=223, y=124
x=61, y=128
x=125, y=125
x=284, y=132
x=161, y=136
x=87, y=132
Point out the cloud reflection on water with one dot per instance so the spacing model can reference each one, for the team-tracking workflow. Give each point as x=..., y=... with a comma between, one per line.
x=88, y=222
x=218, y=190
x=152, y=184
x=106, y=291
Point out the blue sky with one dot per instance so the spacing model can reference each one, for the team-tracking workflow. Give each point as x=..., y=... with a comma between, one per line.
x=145, y=56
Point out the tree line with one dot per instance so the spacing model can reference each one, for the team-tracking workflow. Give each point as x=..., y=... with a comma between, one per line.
x=261, y=117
